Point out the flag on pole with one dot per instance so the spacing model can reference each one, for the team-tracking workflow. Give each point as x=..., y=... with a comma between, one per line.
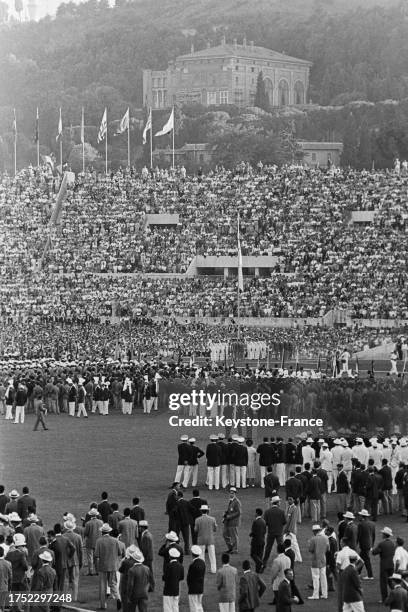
x=14, y=124
x=124, y=123
x=103, y=128
x=240, y=275
x=168, y=127
x=82, y=127
x=59, y=134
x=148, y=126
x=37, y=129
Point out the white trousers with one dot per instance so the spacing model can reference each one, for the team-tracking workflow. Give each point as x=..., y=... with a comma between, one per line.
x=170, y=604
x=263, y=474
x=147, y=407
x=280, y=472
x=240, y=476
x=105, y=407
x=190, y=472
x=9, y=412
x=356, y=606
x=211, y=556
x=213, y=477
x=319, y=581
x=224, y=476
x=228, y=606
x=71, y=408
x=20, y=414
x=232, y=475
x=181, y=472
x=81, y=410
x=195, y=603
x=127, y=407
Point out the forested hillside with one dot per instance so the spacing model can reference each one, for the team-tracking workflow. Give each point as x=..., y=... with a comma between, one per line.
x=91, y=55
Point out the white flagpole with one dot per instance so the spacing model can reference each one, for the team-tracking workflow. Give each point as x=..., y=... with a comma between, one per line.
x=83, y=141
x=239, y=294
x=15, y=154
x=173, y=136
x=128, y=143
x=106, y=145
x=151, y=138
x=61, y=152
x=37, y=128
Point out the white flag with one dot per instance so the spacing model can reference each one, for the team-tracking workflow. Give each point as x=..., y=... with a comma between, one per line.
x=124, y=123
x=168, y=126
x=148, y=126
x=59, y=134
x=103, y=128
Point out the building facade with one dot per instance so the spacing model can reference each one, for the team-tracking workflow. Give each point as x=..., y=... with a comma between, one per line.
x=321, y=153
x=227, y=74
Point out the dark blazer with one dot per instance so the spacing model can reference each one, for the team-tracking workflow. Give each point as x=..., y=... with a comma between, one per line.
x=172, y=576
x=213, y=455
x=195, y=505
x=397, y=599
x=258, y=530
x=137, y=513
x=386, y=476
x=195, y=577
x=4, y=500
x=366, y=535
x=350, y=584
x=184, y=453
x=293, y=488
x=224, y=452
x=251, y=589
x=62, y=549
x=351, y=532
x=386, y=550
x=290, y=453
x=184, y=516
x=314, y=489
x=271, y=484
x=284, y=598
x=104, y=510
x=24, y=503
x=265, y=455
x=342, y=483
x=241, y=456
x=275, y=520
x=196, y=453
x=44, y=580
x=138, y=580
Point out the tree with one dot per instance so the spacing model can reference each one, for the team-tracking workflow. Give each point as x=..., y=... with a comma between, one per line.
x=261, y=97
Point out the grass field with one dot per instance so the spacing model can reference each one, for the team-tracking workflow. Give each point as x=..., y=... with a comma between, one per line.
x=68, y=466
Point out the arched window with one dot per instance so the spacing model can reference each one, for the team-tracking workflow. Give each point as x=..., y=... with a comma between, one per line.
x=299, y=93
x=283, y=97
x=269, y=89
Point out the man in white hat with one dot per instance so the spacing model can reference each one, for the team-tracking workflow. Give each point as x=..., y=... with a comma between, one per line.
x=128, y=393
x=11, y=505
x=172, y=576
x=386, y=550
x=398, y=598
x=360, y=451
x=365, y=540
x=91, y=534
x=138, y=582
x=184, y=455
x=308, y=453
x=346, y=459
x=232, y=520
x=72, y=396
x=195, y=580
x=337, y=451
x=326, y=463
x=44, y=578
x=75, y=561
x=81, y=398
x=9, y=397
x=32, y=533
x=17, y=556
x=318, y=547
x=107, y=556
x=205, y=527
x=105, y=396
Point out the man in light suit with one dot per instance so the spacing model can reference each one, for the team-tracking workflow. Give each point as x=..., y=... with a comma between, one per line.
x=74, y=562
x=91, y=534
x=318, y=547
x=227, y=585
x=251, y=589
x=32, y=534
x=128, y=529
x=107, y=555
x=232, y=520
x=205, y=528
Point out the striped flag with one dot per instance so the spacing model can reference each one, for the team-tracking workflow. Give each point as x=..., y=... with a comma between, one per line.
x=59, y=133
x=168, y=126
x=124, y=123
x=147, y=127
x=103, y=128
x=82, y=127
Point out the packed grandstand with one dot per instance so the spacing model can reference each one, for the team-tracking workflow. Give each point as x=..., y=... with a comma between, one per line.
x=101, y=283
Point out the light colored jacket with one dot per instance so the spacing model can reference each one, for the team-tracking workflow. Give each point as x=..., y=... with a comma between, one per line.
x=205, y=526
x=318, y=546
x=227, y=584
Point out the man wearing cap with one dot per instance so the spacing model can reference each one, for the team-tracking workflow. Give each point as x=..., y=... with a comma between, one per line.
x=352, y=594
x=398, y=597
x=18, y=558
x=81, y=398
x=91, y=534
x=44, y=579
x=227, y=585
x=138, y=582
x=11, y=506
x=275, y=520
x=194, y=455
x=213, y=455
x=365, y=540
x=171, y=541
x=184, y=456
x=308, y=453
x=232, y=520
x=173, y=574
x=271, y=484
x=360, y=451
x=107, y=555
x=195, y=580
x=318, y=547
x=146, y=546
x=205, y=527
x=74, y=561
x=386, y=550
x=127, y=562
x=32, y=534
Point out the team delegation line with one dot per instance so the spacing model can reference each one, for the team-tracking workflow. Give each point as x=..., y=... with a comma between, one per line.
x=222, y=421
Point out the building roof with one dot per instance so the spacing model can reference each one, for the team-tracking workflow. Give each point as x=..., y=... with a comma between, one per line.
x=244, y=51
x=320, y=146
